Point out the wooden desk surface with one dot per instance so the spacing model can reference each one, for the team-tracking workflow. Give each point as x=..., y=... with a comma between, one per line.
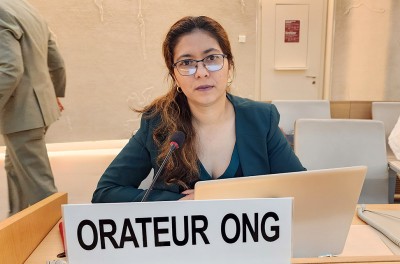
x=52, y=245
x=48, y=249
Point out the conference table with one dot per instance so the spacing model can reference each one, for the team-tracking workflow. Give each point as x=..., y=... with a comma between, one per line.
x=33, y=235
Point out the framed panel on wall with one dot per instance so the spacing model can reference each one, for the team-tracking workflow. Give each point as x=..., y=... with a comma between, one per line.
x=291, y=36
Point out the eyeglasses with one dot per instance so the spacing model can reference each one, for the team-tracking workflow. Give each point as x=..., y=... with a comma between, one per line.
x=213, y=63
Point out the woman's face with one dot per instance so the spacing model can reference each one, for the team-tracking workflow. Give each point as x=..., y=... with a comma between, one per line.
x=204, y=87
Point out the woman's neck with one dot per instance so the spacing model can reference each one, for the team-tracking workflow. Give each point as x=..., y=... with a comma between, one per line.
x=212, y=114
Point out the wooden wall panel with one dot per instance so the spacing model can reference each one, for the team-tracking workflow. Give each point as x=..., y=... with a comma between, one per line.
x=349, y=109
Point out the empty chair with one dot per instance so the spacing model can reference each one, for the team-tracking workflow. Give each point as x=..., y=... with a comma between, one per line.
x=388, y=113
x=291, y=110
x=334, y=143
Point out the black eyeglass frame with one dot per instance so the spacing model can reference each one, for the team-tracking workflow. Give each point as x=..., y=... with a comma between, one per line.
x=202, y=60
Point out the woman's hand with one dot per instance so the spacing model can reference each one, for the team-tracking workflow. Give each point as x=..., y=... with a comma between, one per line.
x=189, y=195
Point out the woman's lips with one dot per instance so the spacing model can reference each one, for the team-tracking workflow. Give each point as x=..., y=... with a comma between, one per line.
x=204, y=87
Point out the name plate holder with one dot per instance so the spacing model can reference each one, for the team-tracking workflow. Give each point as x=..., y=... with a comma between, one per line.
x=209, y=231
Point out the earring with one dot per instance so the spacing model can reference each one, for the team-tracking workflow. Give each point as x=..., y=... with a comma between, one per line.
x=178, y=89
x=229, y=82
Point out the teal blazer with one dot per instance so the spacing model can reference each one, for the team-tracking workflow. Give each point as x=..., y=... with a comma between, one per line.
x=262, y=148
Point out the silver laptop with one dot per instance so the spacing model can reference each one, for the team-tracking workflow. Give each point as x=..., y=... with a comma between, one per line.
x=324, y=203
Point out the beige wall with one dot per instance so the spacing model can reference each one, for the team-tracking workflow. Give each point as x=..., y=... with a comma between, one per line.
x=112, y=64
x=366, y=51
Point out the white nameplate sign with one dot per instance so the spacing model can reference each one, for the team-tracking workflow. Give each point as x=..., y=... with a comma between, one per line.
x=214, y=231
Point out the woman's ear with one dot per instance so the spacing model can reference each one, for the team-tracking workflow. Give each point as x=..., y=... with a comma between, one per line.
x=175, y=80
x=230, y=73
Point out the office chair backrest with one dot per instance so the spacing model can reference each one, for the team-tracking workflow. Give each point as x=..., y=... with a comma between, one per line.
x=291, y=110
x=388, y=113
x=333, y=143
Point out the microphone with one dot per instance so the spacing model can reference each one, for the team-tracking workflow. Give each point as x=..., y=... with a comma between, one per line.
x=177, y=140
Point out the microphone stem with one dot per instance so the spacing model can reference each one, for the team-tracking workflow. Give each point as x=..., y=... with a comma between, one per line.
x=172, y=148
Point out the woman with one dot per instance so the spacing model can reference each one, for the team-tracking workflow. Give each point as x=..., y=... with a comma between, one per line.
x=226, y=136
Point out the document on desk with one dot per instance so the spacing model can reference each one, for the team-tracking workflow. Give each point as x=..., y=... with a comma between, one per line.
x=387, y=223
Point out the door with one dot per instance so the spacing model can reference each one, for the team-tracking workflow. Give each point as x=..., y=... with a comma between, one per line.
x=292, y=49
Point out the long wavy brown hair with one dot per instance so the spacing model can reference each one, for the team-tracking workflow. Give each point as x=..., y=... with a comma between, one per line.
x=173, y=108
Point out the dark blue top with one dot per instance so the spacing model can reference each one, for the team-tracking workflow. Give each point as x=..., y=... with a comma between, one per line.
x=233, y=170
x=261, y=148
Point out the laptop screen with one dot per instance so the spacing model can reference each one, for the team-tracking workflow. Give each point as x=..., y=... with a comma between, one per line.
x=324, y=203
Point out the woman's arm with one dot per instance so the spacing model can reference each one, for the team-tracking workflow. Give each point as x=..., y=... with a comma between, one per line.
x=281, y=155
x=120, y=182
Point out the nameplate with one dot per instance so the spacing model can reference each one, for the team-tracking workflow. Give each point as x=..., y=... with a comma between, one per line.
x=180, y=232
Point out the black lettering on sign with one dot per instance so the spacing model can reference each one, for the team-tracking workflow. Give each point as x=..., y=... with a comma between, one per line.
x=106, y=231
x=275, y=229
x=245, y=226
x=237, y=228
x=127, y=227
x=199, y=230
x=185, y=238
x=90, y=224
x=158, y=231
x=107, y=234
x=144, y=221
x=253, y=229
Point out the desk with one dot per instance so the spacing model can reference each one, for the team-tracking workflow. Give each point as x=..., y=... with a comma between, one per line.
x=52, y=245
x=395, y=165
x=48, y=249
x=21, y=233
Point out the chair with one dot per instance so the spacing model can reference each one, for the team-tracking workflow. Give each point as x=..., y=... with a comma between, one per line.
x=333, y=143
x=388, y=113
x=291, y=110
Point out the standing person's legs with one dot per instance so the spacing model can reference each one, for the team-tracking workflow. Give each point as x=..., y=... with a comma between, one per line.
x=29, y=174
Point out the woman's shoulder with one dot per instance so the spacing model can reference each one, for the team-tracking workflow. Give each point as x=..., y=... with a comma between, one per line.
x=246, y=104
x=260, y=116
x=150, y=119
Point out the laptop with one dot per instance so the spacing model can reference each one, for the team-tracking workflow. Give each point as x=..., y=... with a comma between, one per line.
x=323, y=208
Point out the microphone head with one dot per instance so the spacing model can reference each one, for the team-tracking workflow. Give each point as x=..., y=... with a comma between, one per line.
x=177, y=139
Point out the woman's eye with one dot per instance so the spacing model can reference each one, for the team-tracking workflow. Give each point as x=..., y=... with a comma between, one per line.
x=211, y=58
x=186, y=62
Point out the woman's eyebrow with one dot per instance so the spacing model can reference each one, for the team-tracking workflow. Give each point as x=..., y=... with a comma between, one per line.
x=183, y=56
x=210, y=50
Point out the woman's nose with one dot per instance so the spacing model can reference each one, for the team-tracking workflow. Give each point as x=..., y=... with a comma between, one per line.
x=201, y=70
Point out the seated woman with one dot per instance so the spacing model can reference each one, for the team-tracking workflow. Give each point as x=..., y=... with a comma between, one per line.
x=226, y=136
